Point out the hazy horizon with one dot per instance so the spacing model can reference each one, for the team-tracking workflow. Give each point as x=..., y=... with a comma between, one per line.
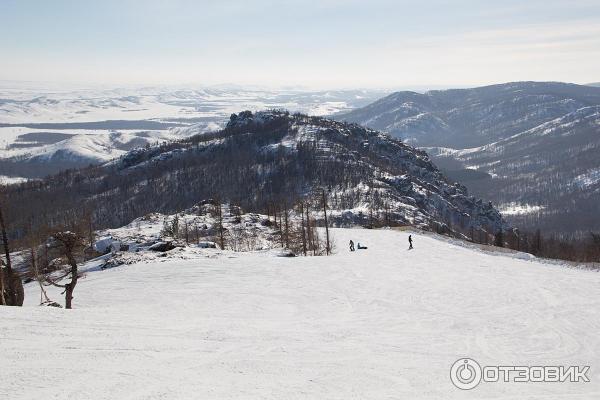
x=58, y=86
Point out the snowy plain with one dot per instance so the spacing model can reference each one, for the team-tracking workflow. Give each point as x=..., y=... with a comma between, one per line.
x=382, y=323
x=96, y=124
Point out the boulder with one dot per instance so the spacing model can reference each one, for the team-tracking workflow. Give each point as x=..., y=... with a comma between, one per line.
x=161, y=246
x=285, y=253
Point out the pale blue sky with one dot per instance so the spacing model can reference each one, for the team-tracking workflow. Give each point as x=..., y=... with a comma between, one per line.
x=327, y=43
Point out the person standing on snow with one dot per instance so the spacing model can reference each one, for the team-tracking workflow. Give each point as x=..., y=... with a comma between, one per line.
x=351, y=245
x=410, y=242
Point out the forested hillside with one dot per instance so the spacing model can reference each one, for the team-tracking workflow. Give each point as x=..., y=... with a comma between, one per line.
x=530, y=147
x=263, y=162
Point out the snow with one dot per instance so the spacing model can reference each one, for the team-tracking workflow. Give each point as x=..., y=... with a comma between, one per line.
x=100, y=145
x=40, y=104
x=590, y=178
x=379, y=323
x=519, y=209
x=9, y=180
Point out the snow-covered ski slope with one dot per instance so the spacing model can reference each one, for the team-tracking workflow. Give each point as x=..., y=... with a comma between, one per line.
x=382, y=323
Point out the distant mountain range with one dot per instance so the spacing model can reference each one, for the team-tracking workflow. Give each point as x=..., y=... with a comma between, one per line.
x=530, y=147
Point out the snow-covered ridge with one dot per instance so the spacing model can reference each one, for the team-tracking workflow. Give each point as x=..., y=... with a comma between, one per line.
x=530, y=142
x=466, y=118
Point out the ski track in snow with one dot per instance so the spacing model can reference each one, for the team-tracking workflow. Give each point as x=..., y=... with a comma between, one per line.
x=373, y=324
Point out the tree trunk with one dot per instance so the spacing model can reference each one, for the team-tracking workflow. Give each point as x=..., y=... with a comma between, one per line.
x=38, y=277
x=327, y=248
x=287, y=240
x=187, y=233
x=70, y=287
x=2, y=299
x=303, y=229
x=68, y=296
x=90, y=230
x=12, y=288
x=221, y=237
x=6, y=246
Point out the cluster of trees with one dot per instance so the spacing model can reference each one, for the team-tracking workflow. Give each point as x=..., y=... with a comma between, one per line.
x=580, y=248
x=294, y=226
x=193, y=231
x=584, y=248
x=297, y=225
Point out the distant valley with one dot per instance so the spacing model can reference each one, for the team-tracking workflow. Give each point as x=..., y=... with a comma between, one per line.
x=44, y=131
x=530, y=147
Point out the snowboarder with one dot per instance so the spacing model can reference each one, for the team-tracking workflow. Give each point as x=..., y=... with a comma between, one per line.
x=410, y=242
x=351, y=245
x=361, y=247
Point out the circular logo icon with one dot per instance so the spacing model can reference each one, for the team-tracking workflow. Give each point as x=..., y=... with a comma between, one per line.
x=465, y=373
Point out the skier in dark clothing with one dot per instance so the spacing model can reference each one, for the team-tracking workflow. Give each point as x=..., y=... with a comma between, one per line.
x=351, y=245
x=410, y=242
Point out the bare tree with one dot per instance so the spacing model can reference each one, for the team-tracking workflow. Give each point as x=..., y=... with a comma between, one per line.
x=327, y=247
x=2, y=299
x=310, y=232
x=88, y=220
x=499, y=238
x=35, y=271
x=286, y=226
x=219, y=215
x=68, y=244
x=303, y=228
x=12, y=293
x=186, y=231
